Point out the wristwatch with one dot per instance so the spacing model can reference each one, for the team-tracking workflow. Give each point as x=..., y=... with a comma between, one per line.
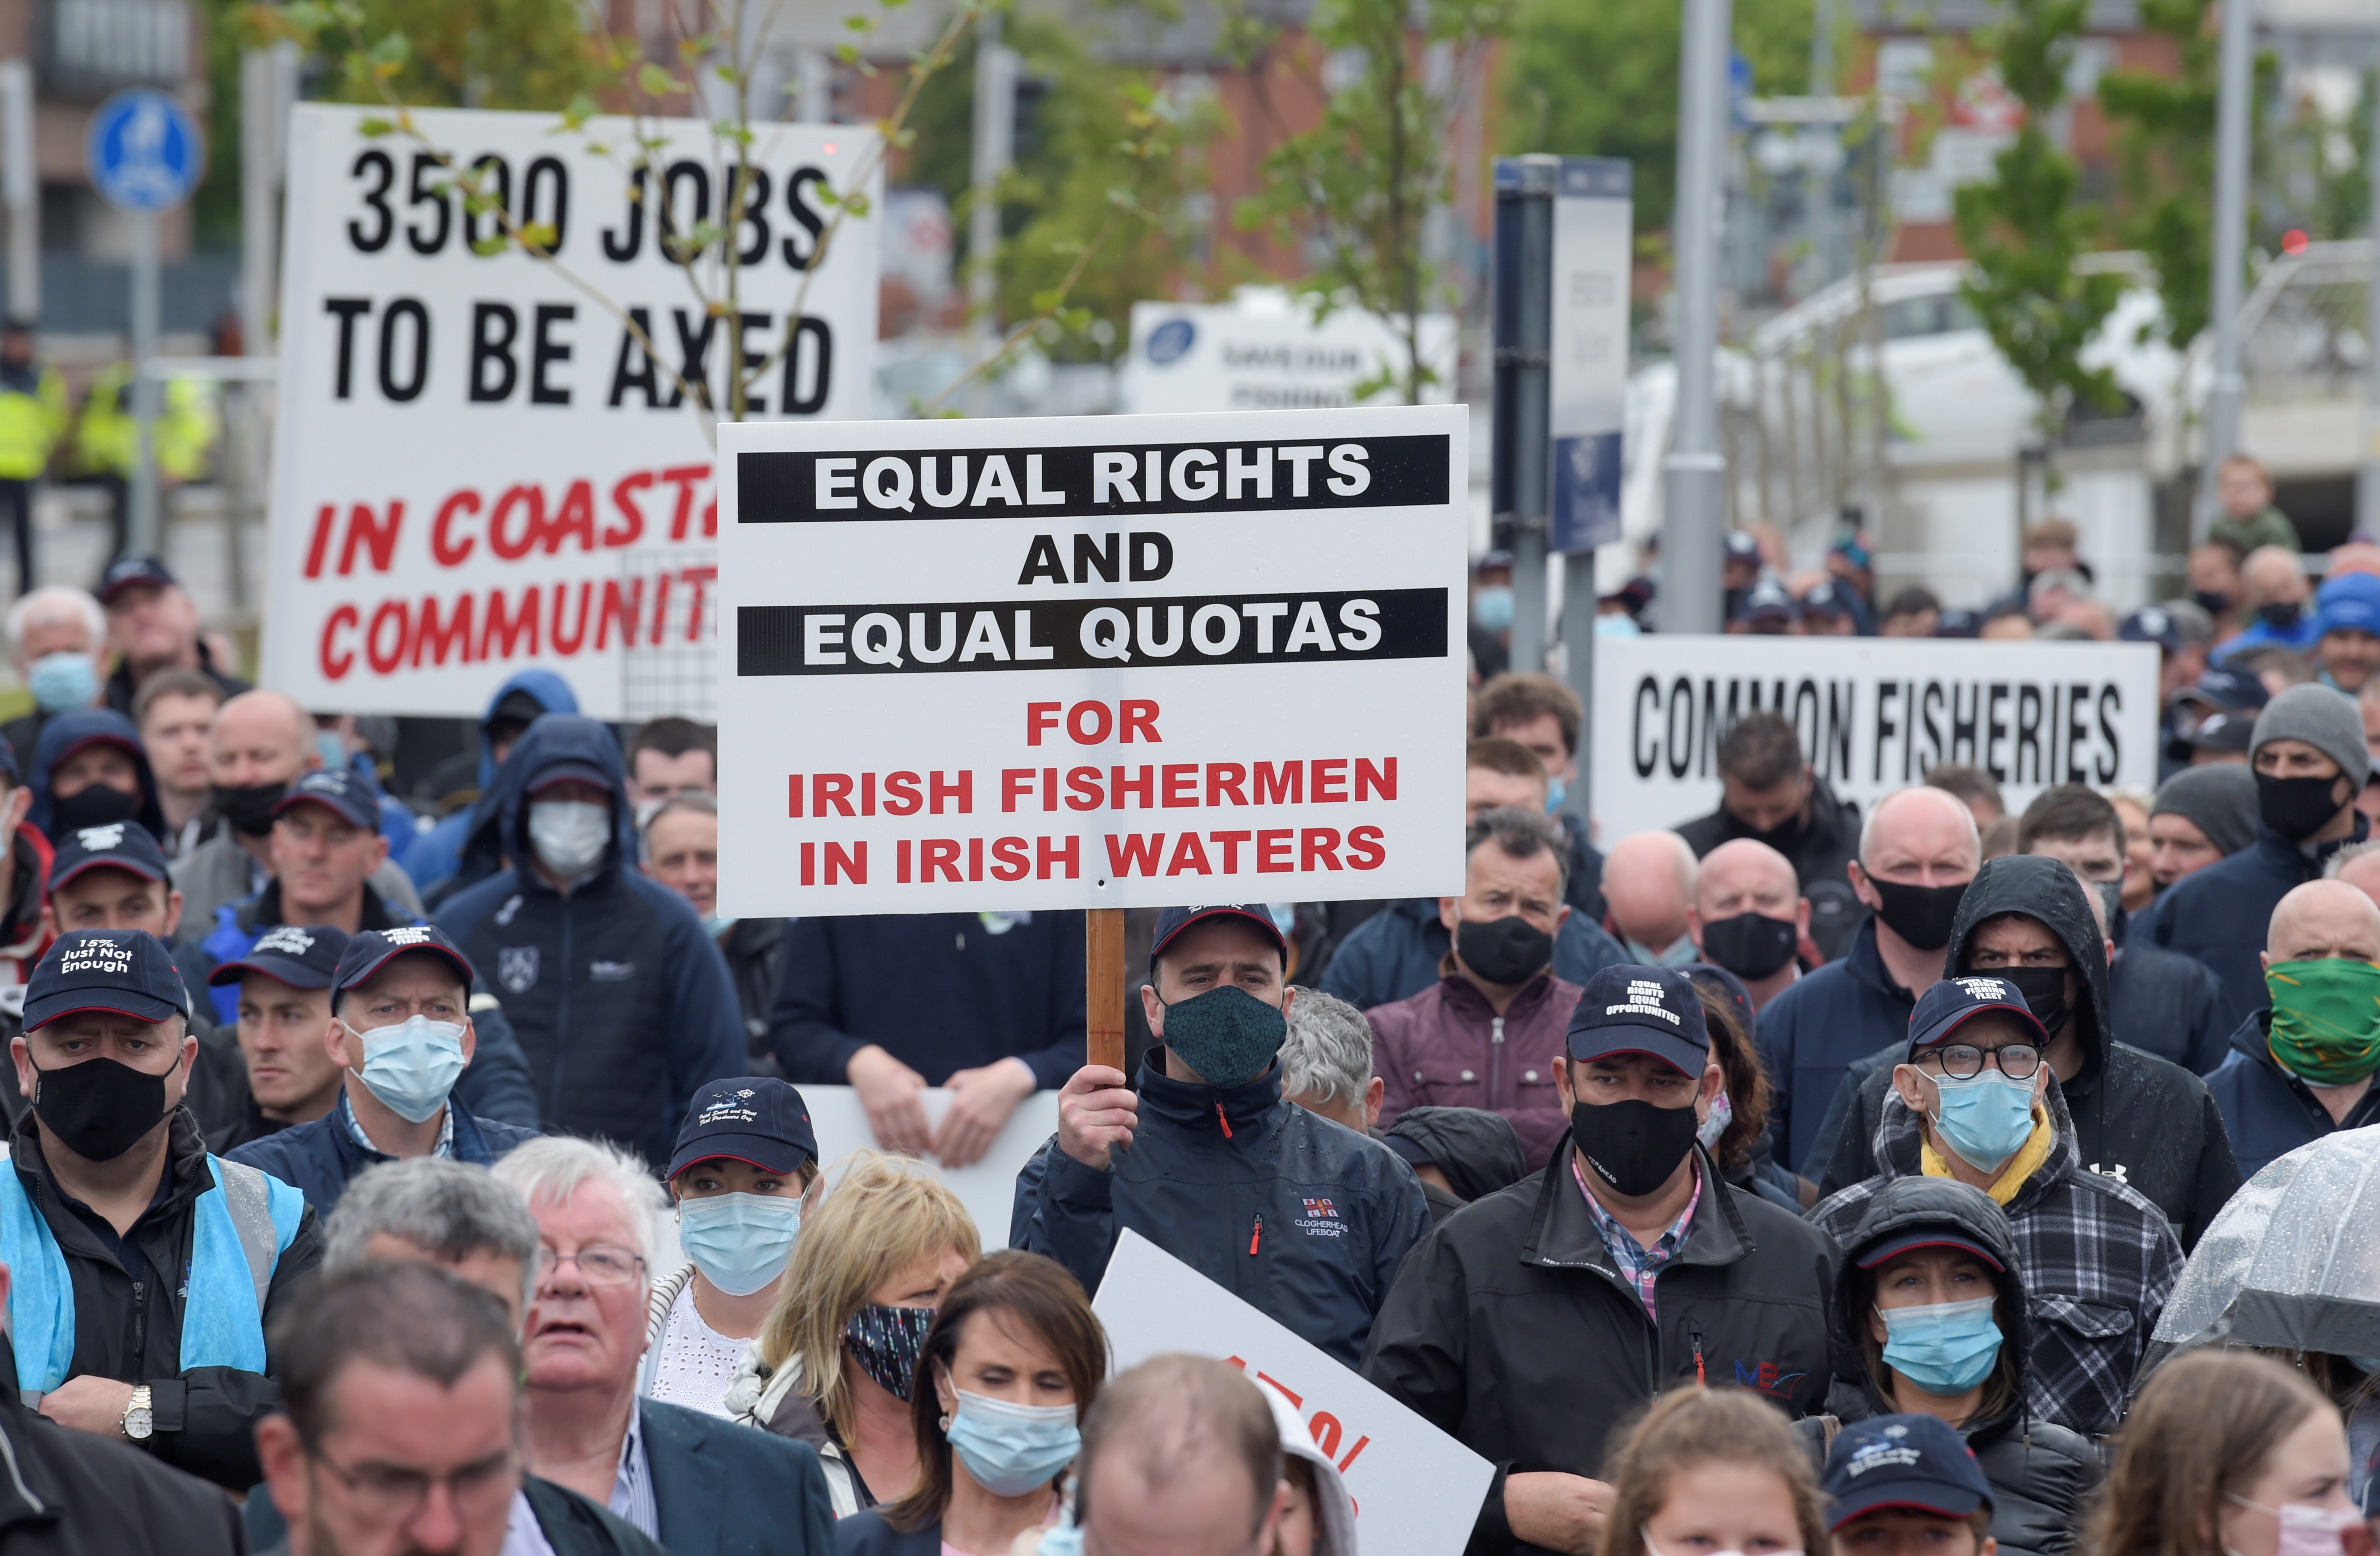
x=137, y=1423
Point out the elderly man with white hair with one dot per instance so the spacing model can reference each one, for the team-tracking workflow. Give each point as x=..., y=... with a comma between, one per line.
x=1918, y=849
x=2303, y=1067
x=692, y=1481
x=58, y=640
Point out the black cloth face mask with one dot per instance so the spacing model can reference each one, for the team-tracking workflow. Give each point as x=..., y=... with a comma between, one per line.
x=248, y=807
x=1504, y=950
x=1920, y=915
x=1750, y=944
x=94, y=806
x=99, y=1109
x=1633, y=1146
x=2045, y=993
x=2280, y=615
x=2297, y=807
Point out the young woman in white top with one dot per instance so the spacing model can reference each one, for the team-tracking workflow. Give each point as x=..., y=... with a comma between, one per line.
x=745, y=1170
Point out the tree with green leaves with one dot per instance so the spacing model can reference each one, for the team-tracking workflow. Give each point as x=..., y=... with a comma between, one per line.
x=2024, y=229
x=2168, y=162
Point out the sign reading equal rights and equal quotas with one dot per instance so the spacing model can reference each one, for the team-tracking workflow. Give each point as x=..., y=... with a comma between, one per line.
x=1091, y=661
x=479, y=465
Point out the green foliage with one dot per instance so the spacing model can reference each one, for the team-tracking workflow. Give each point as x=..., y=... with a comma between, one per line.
x=1599, y=78
x=2167, y=152
x=2024, y=229
x=481, y=54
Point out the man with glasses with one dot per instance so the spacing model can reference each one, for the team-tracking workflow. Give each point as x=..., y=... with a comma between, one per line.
x=401, y=1433
x=1974, y=1099
x=692, y=1481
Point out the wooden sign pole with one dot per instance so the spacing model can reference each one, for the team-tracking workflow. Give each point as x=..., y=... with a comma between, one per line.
x=1103, y=983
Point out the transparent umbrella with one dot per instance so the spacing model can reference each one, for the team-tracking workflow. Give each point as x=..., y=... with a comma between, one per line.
x=2292, y=1264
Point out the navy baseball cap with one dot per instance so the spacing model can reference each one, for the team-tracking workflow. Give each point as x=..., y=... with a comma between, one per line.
x=1954, y=1002
x=1710, y=978
x=2222, y=686
x=366, y=954
x=758, y=1119
x=1641, y=1010
x=1943, y=1236
x=1824, y=599
x=1741, y=546
x=341, y=790
x=1768, y=601
x=1915, y=1462
x=125, y=972
x=1171, y=921
x=2152, y=624
x=1958, y=622
x=126, y=845
x=134, y=572
x=301, y=955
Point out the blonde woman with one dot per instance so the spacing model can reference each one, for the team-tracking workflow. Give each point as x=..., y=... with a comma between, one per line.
x=835, y=1364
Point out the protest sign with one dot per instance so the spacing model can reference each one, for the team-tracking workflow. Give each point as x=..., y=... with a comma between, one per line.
x=1874, y=714
x=986, y=1186
x=1417, y=1490
x=1263, y=351
x=479, y=465
x=1093, y=661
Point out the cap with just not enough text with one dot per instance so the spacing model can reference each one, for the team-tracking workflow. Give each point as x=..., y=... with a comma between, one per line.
x=126, y=845
x=1919, y=1462
x=301, y=955
x=1641, y=1010
x=368, y=953
x=757, y=1119
x=124, y=972
x=1171, y=921
x=1954, y=1002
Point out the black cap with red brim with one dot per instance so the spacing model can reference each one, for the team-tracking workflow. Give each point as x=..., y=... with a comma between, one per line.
x=755, y=1119
x=124, y=845
x=1928, y=1237
x=1171, y=921
x=1918, y=1463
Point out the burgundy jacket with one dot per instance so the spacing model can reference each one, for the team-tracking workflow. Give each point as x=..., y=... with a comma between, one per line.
x=1445, y=1048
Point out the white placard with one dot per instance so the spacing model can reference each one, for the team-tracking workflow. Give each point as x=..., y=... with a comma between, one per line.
x=986, y=1186
x=1587, y=376
x=986, y=666
x=1417, y=1490
x=1874, y=714
x=1265, y=352
x=477, y=465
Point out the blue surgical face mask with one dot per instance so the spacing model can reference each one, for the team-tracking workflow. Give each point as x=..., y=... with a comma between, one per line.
x=1680, y=952
x=1491, y=607
x=333, y=750
x=412, y=1065
x=1617, y=624
x=62, y=681
x=1945, y=1348
x=1556, y=792
x=715, y=926
x=740, y=1242
x=1985, y=1118
x=1011, y=1449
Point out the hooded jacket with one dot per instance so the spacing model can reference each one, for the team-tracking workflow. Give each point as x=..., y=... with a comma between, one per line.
x=1511, y=1328
x=2219, y=915
x=1479, y=1151
x=435, y=855
x=2138, y=1119
x=68, y=733
x=620, y=999
x=1818, y=850
x=1304, y=1220
x=2163, y=1003
x=1400, y=951
x=1447, y=1048
x=1813, y=1031
x=2040, y=1471
x=2099, y=1262
x=2269, y=1111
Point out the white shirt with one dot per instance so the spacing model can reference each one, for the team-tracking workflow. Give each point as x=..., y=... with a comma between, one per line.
x=632, y=1483
x=693, y=1363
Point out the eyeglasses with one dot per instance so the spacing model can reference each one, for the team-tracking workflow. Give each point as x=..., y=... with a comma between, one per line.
x=1965, y=1060
x=385, y=1495
x=598, y=1264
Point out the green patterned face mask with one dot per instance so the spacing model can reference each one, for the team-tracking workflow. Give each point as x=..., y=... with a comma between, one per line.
x=2326, y=1019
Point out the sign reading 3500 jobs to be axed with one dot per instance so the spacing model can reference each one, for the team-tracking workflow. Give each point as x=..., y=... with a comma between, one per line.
x=1111, y=662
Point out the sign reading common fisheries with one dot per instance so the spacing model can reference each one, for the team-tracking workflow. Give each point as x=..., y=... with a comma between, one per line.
x=479, y=465
x=1091, y=661
x=1874, y=713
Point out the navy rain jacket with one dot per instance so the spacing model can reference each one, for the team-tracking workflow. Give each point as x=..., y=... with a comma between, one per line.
x=621, y=1002
x=70, y=732
x=2219, y=915
x=2269, y=1111
x=1811, y=1034
x=435, y=856
x=1397, y=952
x=322, y=1156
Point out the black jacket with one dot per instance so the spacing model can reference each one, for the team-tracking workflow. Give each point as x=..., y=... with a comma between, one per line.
x=2167, y=1005
x=70, y=1493
x=755, y=951
x=2040, y=1471
x=2138, y=1119
x=1304, y=1220
x=1817, y=1028
x=865, y=1533
x=1511, y=1328
x=2269, y=1111
x=131, y=1330
x=1819, y=848
x=122, y=688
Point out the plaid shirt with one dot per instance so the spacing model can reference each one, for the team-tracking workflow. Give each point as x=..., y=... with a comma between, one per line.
x=1640, y=1264
x=2099, y=1262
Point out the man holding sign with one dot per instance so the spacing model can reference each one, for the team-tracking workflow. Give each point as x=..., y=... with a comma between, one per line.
x=1303, y=1219
x=1528, y=1324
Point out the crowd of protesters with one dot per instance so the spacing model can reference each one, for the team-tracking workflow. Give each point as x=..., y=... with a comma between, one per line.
x=1810, y=1176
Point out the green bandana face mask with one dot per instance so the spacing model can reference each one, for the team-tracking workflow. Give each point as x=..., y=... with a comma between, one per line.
x=2326, y=1019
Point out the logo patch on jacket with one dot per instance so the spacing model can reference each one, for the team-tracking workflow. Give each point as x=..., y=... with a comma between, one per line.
x=611, y=972
x=1320, y=1218
x=517, y=967
x=1767, y=1380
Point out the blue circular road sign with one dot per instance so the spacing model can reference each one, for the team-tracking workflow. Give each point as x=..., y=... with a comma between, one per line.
x=145, y=151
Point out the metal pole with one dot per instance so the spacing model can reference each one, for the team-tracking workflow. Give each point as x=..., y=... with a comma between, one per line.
x=259, y=180
x=1578, y=667
x=1693, y=486
x=2234, y=114
x=22, y=190
x=1520, y=463
x=143, y=539
x=994, y=148
x=2367, y=476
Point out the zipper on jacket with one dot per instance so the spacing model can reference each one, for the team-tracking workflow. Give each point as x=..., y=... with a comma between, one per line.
x=1697, y=1337
x=1495, y=1058
x=1226, y=1123
x=1256, y=1234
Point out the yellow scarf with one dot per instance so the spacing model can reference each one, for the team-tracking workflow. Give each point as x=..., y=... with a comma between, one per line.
x=2022, y=1165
